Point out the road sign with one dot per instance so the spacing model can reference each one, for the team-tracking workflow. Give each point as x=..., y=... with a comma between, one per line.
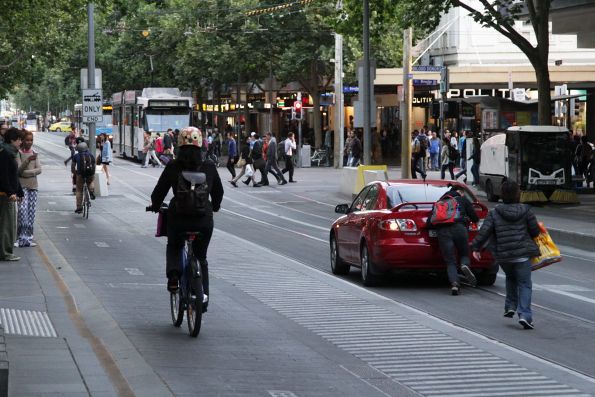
x=84, y=82
x=426, y=68
x=424, y=82
x=92, y=119
x=92, y=105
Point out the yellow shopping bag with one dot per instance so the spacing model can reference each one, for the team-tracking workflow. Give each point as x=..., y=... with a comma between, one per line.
x=549, y=252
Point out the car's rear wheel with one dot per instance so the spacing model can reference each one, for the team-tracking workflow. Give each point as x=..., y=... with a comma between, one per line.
x=490, y=192
x=337, y=265
x=58, y=130
x=486, y=279
x=368, y=278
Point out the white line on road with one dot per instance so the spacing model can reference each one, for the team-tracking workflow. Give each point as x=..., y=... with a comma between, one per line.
x=101, y=244
x=134, y=271
x=275, y=226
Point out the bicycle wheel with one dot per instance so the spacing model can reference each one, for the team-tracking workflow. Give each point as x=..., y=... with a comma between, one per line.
x=177, y=308
x=194, y=307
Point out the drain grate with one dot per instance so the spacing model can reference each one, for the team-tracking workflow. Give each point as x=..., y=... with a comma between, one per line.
x=27, y=322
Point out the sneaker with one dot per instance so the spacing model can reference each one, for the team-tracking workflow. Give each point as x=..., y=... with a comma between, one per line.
x=11, y=258
x=454, y=290
x=257, y=185
x=32, y=244
x=283, y=182
x=92, y=194
x=526, y=324
x=469, y=275
x=292, y=181
x=233, y=184
x=78, y=210
x=509, y=313
x=246, y=182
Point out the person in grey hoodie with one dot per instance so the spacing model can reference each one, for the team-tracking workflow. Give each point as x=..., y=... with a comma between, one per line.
x=272, y=165
x=509, y=230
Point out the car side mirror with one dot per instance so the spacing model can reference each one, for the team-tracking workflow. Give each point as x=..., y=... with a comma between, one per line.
x=342, y=209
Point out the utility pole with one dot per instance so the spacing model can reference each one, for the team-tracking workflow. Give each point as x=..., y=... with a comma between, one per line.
x=238, y=115
x=406, y=106
x=91, y=66
x=339, y=109
x=367, y=84
x=271, y=96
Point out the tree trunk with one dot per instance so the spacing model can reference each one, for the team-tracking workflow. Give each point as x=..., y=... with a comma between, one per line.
x=315, y=93
x=544, y=106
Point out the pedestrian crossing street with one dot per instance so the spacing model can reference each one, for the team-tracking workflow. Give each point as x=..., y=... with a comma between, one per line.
x=427, y=361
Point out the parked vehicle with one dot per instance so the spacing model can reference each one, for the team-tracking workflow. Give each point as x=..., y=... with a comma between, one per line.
x=538, y=158
x=385, y=229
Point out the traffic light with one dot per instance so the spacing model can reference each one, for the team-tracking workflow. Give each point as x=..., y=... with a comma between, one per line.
x=297, y=110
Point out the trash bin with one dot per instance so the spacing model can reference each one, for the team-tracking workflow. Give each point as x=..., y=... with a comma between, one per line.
x=100, y=182
x=305, y=153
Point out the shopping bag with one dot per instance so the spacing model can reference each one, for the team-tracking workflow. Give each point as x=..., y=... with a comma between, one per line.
x=161, y=224
x=241, y=162
x=249, y=170
x=549, y=252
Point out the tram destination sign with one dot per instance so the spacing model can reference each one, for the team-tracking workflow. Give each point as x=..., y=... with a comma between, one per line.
x=92, y=105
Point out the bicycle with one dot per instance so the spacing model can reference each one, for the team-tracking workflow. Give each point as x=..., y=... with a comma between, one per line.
x=186, y=297
x=86, y=201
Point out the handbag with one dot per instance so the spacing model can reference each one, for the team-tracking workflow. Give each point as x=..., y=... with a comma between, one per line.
x=249, y=170
x=98, y=162
x=549, y=253
x=241, y=162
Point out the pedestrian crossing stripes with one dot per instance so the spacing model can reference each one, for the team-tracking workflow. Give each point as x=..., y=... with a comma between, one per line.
x=26, y=322
x=428, y=361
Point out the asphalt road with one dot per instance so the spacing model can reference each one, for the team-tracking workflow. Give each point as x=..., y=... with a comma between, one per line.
x=293, y=221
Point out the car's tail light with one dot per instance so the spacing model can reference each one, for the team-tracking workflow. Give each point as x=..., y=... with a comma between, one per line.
x=475, y=226
x=402, y=225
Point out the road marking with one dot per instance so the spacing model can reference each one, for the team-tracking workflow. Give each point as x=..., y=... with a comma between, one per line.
x=315, y=201
x=134, y=271
x=79, y=226
x=326, y=229
x=51, y=202
x=101, y=244
x=135, y=285
x=563, y=287
x=27, y=322
x=275, y=226
x=62, y=227
x=281, y=393
x=247, y=278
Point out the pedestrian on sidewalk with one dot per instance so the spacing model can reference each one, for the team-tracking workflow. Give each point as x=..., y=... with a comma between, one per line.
x=453, y=235
x=463, y=155
x=418, y=155
x=28, y=169
x=149, y=150
x=106, y=155
x=10, y=191
x=246, y=156
x=511, y=227
x=159, y=145
x=289, y=149
x=448, y=159
x=258, y=161
x=347, y=149
x=356, y=150
x=434, y=152
x=476, y=157
x=271, y=160
x=232, y=154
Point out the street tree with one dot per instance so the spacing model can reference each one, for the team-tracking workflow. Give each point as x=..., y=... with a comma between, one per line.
x=500, y=15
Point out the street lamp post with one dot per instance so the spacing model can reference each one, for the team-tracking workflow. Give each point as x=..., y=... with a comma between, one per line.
x=367, y=93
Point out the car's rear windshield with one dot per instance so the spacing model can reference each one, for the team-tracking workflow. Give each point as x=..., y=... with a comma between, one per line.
x=416, y=194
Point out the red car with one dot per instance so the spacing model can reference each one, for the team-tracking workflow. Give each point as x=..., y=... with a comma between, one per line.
x=385, y=230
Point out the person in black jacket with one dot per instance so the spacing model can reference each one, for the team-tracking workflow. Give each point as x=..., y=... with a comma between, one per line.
x=189, y=159
x=259, y=162
x=511, y=228
x=10, y=191
x=455, y=236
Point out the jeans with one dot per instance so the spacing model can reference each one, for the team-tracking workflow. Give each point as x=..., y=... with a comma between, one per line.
x=8, y=229
x=518, y=288
x=434, y=161
x=151, y=155
x=80, y=181
x=231, y=165
x=450, y=238
x=475, y=173
x=418, y=166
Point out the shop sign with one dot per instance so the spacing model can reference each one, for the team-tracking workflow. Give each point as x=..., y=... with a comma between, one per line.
x=493, y=92
x=423, y=100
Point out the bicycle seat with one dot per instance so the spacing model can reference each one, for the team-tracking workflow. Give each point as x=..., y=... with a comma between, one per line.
x=194, y=178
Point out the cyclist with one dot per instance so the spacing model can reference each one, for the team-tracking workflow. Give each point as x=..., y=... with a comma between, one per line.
x=189, y=159
x=83, y=167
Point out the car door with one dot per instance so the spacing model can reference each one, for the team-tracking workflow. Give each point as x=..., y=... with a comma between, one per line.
x=352, y=226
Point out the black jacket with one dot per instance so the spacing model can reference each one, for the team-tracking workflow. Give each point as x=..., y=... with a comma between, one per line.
x=257, y=150
x=169, y=180
x=246, y=153
x=465, y=206
x=512, y=228
x=9, y=179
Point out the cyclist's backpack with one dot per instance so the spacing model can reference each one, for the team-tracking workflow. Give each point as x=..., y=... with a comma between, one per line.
x=86, y=164
x=453, y=153
x=423, y=143
x=192, y=194
x=446, y=211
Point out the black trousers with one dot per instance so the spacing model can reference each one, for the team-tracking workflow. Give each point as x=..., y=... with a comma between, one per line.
x=288, y=166
x=454, y=239
x=231, y=165
x=260, y=165
x=450, y=167
x=176, y=238
x=273, y=168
